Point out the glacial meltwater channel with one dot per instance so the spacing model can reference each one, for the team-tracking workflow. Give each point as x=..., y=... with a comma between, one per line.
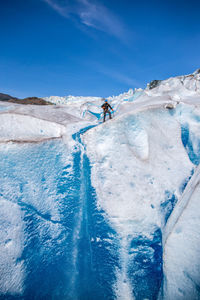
x=55, y=242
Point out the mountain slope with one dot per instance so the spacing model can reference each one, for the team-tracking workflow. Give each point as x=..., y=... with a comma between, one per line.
x=28, y=100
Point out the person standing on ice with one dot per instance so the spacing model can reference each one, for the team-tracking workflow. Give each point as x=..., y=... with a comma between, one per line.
x=106, y=109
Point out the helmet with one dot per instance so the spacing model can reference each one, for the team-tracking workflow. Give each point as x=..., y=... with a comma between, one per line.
x=106, y=100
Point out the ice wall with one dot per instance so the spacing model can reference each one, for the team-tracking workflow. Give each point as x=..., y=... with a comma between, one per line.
x=54, y=241
x=182, y=255
x=139, y=165
x=32, y=217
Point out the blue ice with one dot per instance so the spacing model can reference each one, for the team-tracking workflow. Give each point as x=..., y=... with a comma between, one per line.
x=191, y=144
x=70, y=251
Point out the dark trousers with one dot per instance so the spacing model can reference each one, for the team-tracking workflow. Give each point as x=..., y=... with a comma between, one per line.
x=104, y=114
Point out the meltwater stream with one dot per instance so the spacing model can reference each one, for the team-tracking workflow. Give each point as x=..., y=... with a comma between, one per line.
x=55, y=242
x=65, y=247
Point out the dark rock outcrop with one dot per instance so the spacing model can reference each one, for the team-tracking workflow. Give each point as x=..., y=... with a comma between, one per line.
x=29, y=100
x=154, y=83
x=5, y=97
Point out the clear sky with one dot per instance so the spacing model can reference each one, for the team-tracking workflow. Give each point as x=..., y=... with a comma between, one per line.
x=95, y=48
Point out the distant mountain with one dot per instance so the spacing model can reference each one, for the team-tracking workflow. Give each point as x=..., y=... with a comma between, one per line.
x=5, y=97
x=28, y=100
x=31, y=100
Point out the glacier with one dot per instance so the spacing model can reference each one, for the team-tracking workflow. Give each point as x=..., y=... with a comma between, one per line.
x=93, y=210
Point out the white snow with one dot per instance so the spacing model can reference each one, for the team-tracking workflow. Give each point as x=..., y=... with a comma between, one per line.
x=16, y=127
x=34, y=123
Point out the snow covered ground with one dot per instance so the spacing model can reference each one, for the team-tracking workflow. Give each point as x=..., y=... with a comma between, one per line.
x=102, y=210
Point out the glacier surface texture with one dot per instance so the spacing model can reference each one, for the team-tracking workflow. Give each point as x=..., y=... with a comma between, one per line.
x=92, y=210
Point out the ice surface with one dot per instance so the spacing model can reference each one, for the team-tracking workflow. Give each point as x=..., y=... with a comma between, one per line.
x=102, y=211
x=3, y=108
x=32, y=222
x=11, y=247
x=61, y=236
x=134, y=159
x=136, y=148
x=16, y=127
x=182, y=255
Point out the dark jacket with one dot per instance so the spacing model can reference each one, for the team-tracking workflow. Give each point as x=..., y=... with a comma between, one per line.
x=106, y=106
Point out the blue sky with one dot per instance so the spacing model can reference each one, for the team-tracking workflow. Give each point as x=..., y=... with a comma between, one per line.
x=95, y=48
